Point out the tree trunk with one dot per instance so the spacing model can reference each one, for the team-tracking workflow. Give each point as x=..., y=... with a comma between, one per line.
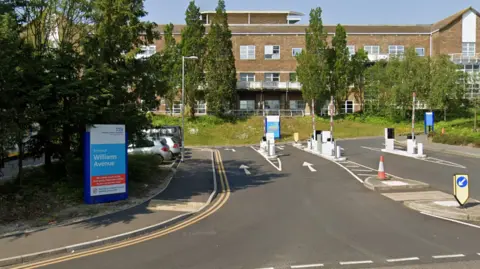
x=313, y=116
x=445, y=114
x=66, y=144
x=475, y=119
x=20, y=161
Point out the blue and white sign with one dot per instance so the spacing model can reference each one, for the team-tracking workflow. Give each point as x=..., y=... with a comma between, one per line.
x=272, y=125
x=429, y=121
x=105, y=164
x=461, y=188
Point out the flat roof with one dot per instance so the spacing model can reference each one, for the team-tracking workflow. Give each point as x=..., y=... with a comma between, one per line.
x=292, y=13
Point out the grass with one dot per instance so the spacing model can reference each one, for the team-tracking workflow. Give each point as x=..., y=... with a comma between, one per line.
x=209, y=130
x=43, y=194
x=457, y=132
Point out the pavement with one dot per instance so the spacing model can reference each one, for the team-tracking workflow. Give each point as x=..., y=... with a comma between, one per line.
x=187, y=192
x=452, y=149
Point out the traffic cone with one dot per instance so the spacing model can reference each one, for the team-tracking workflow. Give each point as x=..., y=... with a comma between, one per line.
x=381, y=170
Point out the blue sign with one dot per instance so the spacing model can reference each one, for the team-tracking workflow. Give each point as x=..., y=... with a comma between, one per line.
x=462, y=182
x=105, y=164
x=272, y=125
x=428, y=121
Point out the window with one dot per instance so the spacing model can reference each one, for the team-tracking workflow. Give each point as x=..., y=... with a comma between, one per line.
x=420, y=51
x=272, y=52
x=297, y=104
x=293, y=77
x=351, y=49
x=247, y=52
x=147, y=51
x=296, y=51
x=272, y=77
x=468, y=48
x=247, y=104
x=372, y=50
x=201, y=107
x=272, y=104
x=396, y=50
x=247, y=77
x=348, y=107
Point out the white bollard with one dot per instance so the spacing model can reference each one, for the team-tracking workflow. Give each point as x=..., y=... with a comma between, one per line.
x=271, y=151
x=420, y=148
x=339, y=152
x=410, y=146
x=309, y=144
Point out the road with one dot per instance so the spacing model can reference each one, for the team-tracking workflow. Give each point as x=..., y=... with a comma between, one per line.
x=296, y=217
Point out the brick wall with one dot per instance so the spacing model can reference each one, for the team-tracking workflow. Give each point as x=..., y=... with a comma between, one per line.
x=477, y=46
x=412, y=41
x=450, y=38
x=234, y=18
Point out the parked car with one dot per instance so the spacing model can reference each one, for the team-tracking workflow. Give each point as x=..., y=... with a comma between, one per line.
x=174, y=143
x=148, y=146
x=171, y=130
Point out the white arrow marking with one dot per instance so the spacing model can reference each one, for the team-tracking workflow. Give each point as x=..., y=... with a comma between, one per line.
x=233, y=150
x=281, y=147
x=309, y=166
x=245, y=169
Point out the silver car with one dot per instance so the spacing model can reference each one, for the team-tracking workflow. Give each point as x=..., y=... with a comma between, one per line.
x=174, y=144
x=148, y=146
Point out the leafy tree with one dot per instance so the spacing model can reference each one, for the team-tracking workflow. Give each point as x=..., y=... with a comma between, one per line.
x=220, y=69
x=339, y=62
x=312, y=65
x=357, y=72
x=193, y=44
x=171, y=66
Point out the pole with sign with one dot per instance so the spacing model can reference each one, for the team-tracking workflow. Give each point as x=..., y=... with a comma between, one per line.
x=413, y=116
x=461, y=188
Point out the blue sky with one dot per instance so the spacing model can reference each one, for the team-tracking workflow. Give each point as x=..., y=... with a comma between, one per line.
x=334, y=11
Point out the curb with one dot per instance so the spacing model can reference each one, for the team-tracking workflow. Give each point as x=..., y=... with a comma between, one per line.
x=115, y=238
x=416, y=185
x=422, y=207
x=168, y=179
x=454, y=152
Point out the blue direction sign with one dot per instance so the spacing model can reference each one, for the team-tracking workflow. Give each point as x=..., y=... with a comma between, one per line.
x=461, y=188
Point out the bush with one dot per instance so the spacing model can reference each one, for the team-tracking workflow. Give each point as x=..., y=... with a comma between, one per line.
x=456, y=140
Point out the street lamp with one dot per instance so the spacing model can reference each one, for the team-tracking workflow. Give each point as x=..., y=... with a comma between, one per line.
x=183, y=101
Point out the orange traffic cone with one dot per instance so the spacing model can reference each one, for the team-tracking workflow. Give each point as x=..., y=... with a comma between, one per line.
x=381, y=170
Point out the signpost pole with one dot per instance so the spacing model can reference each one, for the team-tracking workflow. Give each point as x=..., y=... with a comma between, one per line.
x=413, y=116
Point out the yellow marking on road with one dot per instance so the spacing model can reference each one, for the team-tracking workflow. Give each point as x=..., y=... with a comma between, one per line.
x=224, y=194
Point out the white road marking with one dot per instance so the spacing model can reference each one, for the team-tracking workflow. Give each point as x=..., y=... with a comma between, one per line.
x=367, y=175
x=355, y=262
x=245, y=169
x=309, y=166
x=404, y=259
x=361, y=170
x=307, y=266
x=448, y=256
x=279, y=167
x=452, y=220
x=350, y=172
x=374, y=149
x=233, y=150
x=267, y=268
x=352, y=166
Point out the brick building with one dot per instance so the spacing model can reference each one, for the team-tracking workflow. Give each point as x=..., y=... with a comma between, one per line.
x=265, y=44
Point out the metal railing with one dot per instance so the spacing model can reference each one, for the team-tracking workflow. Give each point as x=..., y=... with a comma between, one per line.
x=257, y=85
x=464, y=58
x=268, y=112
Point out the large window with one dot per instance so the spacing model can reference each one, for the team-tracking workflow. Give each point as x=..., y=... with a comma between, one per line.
x=272, y=52
x=201, y=107
x=247, y=104
x=247, y=77
x=420, y=51
x=272, y=104
x=269, y=77
x=351, y=49
x=297, y=104
x=372, y=50
x=396, y=50
x=348, y=107
x=293, y=77
x=296, y=51
x=247, y=52
x=468, y=48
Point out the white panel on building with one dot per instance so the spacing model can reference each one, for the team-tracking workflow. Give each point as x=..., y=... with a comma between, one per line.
x=469, y=27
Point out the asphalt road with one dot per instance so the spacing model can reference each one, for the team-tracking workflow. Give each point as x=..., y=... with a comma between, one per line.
x=278, y=219
x=438, y=175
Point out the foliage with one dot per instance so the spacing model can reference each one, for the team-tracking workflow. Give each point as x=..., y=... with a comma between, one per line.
x=171, y=66
x=356, y=75
x=220, y=76
x=193, y=44
x=339, y=63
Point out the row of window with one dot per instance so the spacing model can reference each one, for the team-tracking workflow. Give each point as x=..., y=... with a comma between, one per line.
x=347, y=107
x=268, y=77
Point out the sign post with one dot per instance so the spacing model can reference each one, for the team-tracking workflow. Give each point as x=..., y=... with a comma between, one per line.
x=461, y=188
x=272, y=125
x=429, y=122
x=105, y=164
x=413, y=116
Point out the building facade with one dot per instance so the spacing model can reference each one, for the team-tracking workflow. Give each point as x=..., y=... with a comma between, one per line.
x=265, y=44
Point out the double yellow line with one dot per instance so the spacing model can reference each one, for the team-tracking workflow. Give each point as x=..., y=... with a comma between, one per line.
x=223, y=195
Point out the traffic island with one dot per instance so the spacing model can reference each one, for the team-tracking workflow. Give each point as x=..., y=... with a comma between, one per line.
x=394, y=184
x=448, y=209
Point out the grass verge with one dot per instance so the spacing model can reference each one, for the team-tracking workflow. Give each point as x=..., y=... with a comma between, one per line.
x=457, y=132
x=51, y=196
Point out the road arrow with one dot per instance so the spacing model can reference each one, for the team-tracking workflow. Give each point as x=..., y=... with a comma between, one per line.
x=309, y=166
x=245, y=169
x=233, y=150
x=281, y=147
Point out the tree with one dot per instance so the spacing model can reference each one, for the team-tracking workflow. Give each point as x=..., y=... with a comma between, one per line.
x=312, y=65
x=193, y=44
x=357, y=73
x=220, y=76
x=339, y=63
x=171, y=66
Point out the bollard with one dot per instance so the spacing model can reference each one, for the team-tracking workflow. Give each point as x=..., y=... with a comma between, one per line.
x=420, y=149
x=271, y=150
x=309, y=144
x=339, y=153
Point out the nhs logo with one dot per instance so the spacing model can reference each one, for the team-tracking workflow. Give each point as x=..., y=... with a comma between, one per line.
x=119, y=129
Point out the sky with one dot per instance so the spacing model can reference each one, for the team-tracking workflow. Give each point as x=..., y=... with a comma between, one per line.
x=334, y=11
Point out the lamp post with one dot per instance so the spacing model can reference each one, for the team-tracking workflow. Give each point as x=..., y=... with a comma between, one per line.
x=183, y=102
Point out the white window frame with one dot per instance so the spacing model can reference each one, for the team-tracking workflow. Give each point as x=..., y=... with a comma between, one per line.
x=247, y=52
x=296, y=106
x=248, y=76
x=397, y=50
x=468, y=48
x=248, y=104
x=271, y=77
x=201, y=107
x=275, y=102
x=299, y=50
x=272, y=52
x=423, y=51
x=351, y=49
x=345, y=108
x=372, y=49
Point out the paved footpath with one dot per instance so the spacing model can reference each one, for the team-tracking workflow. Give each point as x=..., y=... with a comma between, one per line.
x=188, y=191
x=459, y=150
